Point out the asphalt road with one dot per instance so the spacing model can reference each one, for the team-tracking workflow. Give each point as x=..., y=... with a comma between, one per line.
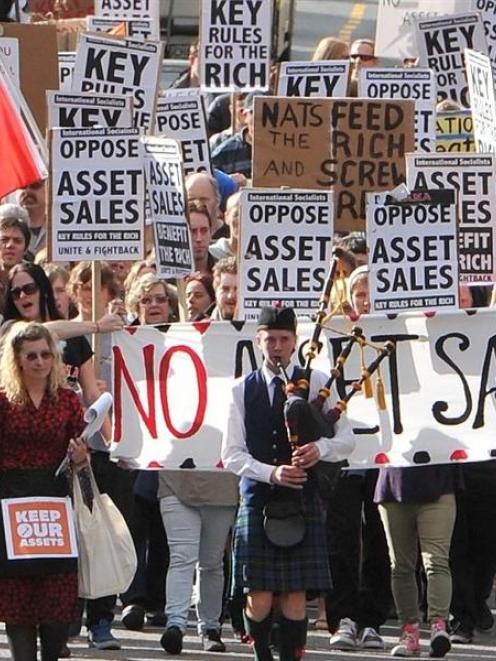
x=343, y=19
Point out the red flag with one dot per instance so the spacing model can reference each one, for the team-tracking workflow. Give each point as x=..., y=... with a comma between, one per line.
x=21, y=163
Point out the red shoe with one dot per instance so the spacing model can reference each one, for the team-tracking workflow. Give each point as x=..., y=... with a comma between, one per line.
x=409, y=642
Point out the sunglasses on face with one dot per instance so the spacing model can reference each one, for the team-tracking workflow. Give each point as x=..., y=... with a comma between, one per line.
x=364, y=58
x=27, y=290
x=33, y=355
x=159, y=299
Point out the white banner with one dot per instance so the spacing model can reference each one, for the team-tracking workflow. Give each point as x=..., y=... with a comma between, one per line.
x=165, y=188
x=417, y=85
x=473, y=176
x=66, y=69
x=322, y=78
x=96, y=194
x=171, y=390
x=482, y=99
x=395, y=26
x=235, y=43
x=441, y=44
x=413, y=257
x=285, y=249
x=120, y=66
x=87, y=110
x=181, y=115
x=487, y=9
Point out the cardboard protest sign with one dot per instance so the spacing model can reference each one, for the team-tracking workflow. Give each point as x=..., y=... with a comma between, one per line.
x=352, y=145
x=417, y=85
x=441, y=44
x=181, y=115
x=472, y=176
x=320, y=79
x=438, y=384
x=285, y=247
x=395, y=25
x=120, y=66
x=9, y=54
x=38, y=64
x=134, y=27
x=129, y=9
x=483, y=101
x=168, y=207
x=96, y=194
x=39, y=527
x=235, y=43
x=292, y=141
x=413, y=257
x=487, y=8
x=66, y=69
x=455, y=132
x=87, y=110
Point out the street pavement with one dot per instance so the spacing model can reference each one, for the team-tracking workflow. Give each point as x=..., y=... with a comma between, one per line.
x=145, y=646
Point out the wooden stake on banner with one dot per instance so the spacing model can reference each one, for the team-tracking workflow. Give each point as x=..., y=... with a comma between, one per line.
x=181, y=299
x=96, y=304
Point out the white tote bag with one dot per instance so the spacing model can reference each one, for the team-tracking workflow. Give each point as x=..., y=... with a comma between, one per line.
x=107, y=557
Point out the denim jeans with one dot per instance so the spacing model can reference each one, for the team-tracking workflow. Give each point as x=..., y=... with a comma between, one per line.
x=430, y=526
x=197, y=537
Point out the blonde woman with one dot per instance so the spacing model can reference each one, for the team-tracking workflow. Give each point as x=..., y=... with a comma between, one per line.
x=150, y=300
x=330, y=48
x=40, y=420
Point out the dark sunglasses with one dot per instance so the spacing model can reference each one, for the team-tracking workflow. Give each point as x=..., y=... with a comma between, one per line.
x=364, y=58
x=160, y=299
x=33, y=355
x=27, y=290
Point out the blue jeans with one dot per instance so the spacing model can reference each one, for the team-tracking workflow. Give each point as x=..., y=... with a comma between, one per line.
x=197, y=536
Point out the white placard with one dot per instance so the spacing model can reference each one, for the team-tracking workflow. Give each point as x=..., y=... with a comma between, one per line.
x=417, y=85
x=472, y=176
x=322, y=78
x=235, y=43
x=483, y=101
x=96, y=194
x=439, y=389
x=167, y=196
x=441, y=45
x=285, y=247
x=120, y=66
x=85, y=110
x=487, y=9
x=66, y=70
x=395, y=26
x=181, y=115
x=9, y=54
x=413, y=257
x=135, y=27
x=129, y=9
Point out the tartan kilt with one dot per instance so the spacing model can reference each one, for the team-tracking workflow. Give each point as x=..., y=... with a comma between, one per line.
x=259, y=565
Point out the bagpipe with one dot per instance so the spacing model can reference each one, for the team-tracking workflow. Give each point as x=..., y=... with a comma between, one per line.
x=307, y=421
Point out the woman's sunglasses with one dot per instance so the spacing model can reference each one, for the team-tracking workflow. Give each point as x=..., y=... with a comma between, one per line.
x=31, y=356
x=27, y=290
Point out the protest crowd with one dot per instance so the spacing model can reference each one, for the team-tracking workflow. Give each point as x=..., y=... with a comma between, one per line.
x=166, y=249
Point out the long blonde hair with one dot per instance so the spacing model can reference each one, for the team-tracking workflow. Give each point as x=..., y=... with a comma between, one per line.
x=330, y=48
x=11, y=381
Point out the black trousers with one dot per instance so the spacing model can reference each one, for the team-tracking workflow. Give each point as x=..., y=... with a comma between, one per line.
x=358, y=554
x=473, y=545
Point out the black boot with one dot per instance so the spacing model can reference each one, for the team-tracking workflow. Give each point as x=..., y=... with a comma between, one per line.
x=292, y=639
x=259, y=632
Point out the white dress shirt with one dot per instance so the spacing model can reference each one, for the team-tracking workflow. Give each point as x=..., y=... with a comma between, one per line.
x=235, y=454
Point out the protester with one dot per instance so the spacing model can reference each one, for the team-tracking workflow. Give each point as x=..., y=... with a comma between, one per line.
x=330, y=48
x=14, y=236
x=200, y=225
x=41, y=420
x=148, y=301
x=33, y=200
x=191, y=77
x=360, y=599
x=59, y=279
x=203, y=187
x=225, y=279
x=362, y=54
x=255, y=446
x=228, y=247
x=200, y=296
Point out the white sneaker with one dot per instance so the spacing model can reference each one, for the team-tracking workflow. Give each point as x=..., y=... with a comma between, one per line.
x=370, y=640
x=345, y=638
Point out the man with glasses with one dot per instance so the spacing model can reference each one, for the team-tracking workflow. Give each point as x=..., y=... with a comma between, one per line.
x=362, y=54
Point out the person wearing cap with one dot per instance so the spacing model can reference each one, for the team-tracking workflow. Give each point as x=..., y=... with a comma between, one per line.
x=255, y=446
x=234, y=154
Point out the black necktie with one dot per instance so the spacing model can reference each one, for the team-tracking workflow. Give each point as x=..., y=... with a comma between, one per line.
x=279, y=396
